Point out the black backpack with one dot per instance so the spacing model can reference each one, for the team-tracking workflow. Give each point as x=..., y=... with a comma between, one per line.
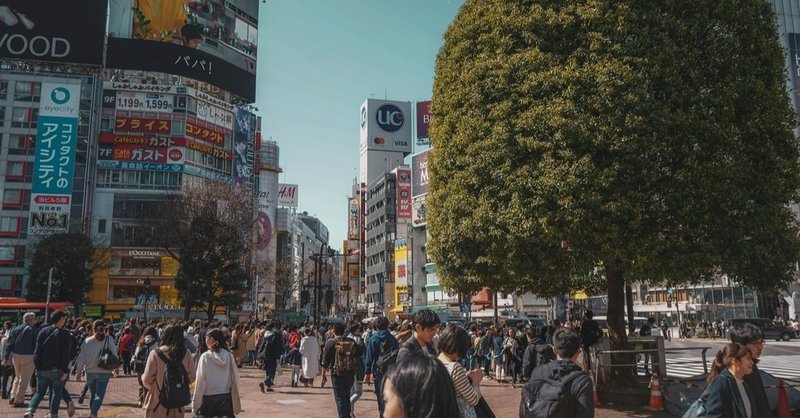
x=553, y=400
x=272, y=347
x=175, y=391
x=140, y=360
x=387, y=358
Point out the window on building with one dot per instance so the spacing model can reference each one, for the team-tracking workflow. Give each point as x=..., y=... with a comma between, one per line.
x=9, y=224
x=6, y=281
x=15, y=168
x=12, y=197
x=101, y=226
x=3, y=89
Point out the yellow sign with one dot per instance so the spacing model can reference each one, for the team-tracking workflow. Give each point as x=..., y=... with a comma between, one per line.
x=169, y=266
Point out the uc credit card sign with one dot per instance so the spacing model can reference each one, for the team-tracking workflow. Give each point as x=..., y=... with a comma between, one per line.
x=54, y=165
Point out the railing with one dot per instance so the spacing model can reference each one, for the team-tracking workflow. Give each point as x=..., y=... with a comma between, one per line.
x=603, y=356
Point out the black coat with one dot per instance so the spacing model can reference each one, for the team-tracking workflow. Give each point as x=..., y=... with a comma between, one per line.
x=724, y=400
x=410, y=347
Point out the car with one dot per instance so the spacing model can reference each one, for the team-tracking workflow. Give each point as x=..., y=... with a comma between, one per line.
x=772, y=331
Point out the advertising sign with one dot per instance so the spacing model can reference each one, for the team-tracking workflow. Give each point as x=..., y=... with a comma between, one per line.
x=93, y=310
x=423, y=118
x=214, y=115
x=143, y=102
x=129, y=152
x=403, y=193
x=213, y=41
x=352, y=218
x=214, y=136
x=401, y=264
x=69, y=31
x=419, y=174
x=55, y=158
x=419, y=211
x=153, y=141
x=243, y=148
x=143, y=125
x=386, y=125
x=287, y=195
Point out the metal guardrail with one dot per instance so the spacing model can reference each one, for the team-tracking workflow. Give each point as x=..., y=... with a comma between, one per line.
x=703, y=351
x=603, y=361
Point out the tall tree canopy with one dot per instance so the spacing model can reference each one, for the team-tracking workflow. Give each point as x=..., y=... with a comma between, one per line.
x=652, y=138
x=70, y=256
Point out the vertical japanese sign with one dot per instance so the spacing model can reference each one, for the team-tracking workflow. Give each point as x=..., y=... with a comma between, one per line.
x=54, y=165
x=353, y=210
x=403, y=193
x=401, y=272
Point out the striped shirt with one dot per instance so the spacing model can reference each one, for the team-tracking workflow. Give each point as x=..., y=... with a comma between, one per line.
x=464, y=388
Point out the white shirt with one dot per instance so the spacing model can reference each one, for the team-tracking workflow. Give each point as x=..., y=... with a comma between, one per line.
x=748, y=409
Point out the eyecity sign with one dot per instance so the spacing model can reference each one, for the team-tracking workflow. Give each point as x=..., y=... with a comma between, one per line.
x=47, y=30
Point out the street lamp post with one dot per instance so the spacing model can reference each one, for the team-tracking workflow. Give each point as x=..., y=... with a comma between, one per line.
x=49, y=289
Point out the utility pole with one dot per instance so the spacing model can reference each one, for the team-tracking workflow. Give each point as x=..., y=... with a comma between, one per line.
x=49, y=289
x=317, y=278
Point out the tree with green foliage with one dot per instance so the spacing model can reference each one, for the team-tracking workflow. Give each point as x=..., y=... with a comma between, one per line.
x=648, y=141
x=70, y=255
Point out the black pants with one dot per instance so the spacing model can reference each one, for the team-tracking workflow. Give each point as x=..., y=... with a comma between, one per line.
x=341, y=394
x=126, y=363
x=6, y=377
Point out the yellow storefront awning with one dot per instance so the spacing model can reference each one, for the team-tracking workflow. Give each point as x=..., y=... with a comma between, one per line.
x=580, y=295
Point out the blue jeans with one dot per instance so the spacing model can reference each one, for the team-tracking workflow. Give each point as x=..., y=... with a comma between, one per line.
x=341, y=393
x=47, y=379
x=97, y=382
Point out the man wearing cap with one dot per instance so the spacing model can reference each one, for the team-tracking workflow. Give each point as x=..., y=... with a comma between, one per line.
x=19, y=351
x=51, y=357
x=96, y=377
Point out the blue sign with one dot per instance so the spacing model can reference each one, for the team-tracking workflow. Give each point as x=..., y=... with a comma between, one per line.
x=389, y=117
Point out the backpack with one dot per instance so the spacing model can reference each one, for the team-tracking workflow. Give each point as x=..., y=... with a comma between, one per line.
x=344, y=356
x=387, y=358
x=175, y=391
x=553, y=400
x=140, y=360
x=271, y=347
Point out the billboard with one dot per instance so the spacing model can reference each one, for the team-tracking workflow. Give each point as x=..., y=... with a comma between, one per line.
x=423, y=118
x=68, y=31
x=419, y=174
x=419, y=211
x=214, y=41
x=287, y=195
x=243, y=148
x=54, y=163
x=403, y=193
x=386, y=125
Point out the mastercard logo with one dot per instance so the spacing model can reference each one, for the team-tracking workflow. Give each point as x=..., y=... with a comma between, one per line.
x=378, y=140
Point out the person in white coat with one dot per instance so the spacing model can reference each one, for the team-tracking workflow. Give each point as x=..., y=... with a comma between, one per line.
x=216, y=391
x=309, y=349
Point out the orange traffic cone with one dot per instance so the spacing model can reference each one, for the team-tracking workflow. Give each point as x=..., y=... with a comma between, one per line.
x=594, y=389
x=784, y=410
x=656, y=400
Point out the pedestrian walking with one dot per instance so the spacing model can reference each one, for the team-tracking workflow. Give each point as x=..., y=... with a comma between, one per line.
x=127, y=346
x=381, y=343
x=727, y=395
x=147, y=343
x=421, y=388
x=270, y=352
x=295, y=360
x=6, y=372
x=512, y=356
x=358, y=383
x=216, y=390
x=19, y=352
x=310, y=352
x=88, y=363
x=339, y=356
x=426, y=325
x=752, y=337
x=590, y=335
x=51, y=358
x=239, y=344
x=453, y=345
x=171, y=353
x=251, y=334
x=559, y=385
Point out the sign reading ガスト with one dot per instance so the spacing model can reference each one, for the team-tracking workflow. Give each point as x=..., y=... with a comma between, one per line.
x=55, y=158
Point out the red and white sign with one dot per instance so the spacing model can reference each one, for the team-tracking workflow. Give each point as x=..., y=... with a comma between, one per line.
x=132, y=124
x=287, y=195
x=403, y=193
x=51, y=200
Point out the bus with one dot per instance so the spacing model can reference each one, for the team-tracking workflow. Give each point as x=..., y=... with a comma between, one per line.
x=12, y=309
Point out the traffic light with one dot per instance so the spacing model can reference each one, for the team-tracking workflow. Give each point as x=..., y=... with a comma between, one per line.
x=305, y=297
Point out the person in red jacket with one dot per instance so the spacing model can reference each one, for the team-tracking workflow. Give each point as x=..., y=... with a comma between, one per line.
x=127, y=345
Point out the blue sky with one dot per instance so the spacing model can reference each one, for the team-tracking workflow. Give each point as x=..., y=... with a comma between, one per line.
x=318, y=60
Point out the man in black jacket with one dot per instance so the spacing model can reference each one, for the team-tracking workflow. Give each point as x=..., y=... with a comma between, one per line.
x=340, y=350
x=560, y=387
x=751, y=336
x=51, y=357
x=426, y=324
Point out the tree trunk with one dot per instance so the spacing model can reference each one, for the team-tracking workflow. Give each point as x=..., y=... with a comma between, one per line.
x=210, y=311
x=616, y=323
x=629, y=304
x=187, y=305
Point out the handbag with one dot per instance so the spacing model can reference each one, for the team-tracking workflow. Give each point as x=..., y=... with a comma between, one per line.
x=107, y=360
x=220, y=405
x=482, y=409
x=697, y=409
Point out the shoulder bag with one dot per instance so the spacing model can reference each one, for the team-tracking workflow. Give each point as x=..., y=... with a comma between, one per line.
x=107, y=360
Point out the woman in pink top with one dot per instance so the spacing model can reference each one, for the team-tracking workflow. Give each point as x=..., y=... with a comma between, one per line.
x=173, y=347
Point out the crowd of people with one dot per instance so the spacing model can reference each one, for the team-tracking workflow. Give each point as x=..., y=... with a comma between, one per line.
x=420, y=367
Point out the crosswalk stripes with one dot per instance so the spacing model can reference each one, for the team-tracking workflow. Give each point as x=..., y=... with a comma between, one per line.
x=783, y=367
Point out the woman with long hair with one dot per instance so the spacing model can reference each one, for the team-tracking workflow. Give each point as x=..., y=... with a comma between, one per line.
x=147, y=342
x=422, y=388
x=727, y=395
x=239, y=344
x=216, y=391
x=173, y=348
x=453, y=346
